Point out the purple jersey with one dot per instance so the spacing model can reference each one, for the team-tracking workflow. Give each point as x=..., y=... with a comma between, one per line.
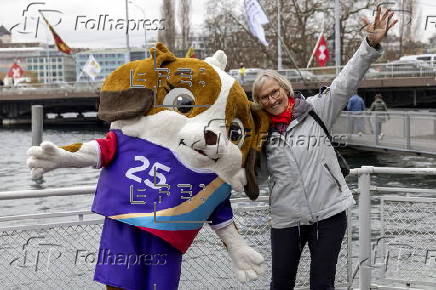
x=145, y=185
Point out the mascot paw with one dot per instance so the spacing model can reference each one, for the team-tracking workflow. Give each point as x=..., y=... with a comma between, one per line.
x=238, y=181
x=44, y=158
x=247, y=263
x=37, y=173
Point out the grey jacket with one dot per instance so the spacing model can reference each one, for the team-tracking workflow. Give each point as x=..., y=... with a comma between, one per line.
x=306, y=184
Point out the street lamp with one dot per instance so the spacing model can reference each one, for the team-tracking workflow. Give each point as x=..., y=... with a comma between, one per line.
x=145, y=30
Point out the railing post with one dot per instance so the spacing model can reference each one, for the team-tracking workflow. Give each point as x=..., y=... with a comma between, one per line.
x=349, y=250
x=364, y=231
x=37, y=124
x=407, y=130
x=375, y=127
x=349, y=129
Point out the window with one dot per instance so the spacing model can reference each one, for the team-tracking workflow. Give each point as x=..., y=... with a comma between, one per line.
x=59, y=66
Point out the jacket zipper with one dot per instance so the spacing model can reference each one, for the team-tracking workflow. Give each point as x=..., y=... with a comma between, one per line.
x=334, y=178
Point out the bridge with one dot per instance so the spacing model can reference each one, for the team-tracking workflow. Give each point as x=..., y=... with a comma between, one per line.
x=402, y=131
x=402, y=87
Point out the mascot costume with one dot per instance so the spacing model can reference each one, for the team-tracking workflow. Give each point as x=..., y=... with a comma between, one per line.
x=182, y=135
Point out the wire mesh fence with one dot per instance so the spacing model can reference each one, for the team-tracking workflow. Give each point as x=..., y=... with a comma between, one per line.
x=63, y=256
x=407, y=246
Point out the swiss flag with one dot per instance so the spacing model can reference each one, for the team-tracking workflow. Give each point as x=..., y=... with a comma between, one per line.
x=15, y=71
x=321, y=52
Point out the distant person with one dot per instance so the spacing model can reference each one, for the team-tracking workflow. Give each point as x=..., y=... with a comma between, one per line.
x=242, y=73
x=356, y=105
x=377, y=106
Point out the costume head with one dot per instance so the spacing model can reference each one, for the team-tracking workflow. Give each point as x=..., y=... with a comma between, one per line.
x=192, y=107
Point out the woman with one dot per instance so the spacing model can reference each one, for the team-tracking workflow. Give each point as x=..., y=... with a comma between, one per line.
x=309, y=195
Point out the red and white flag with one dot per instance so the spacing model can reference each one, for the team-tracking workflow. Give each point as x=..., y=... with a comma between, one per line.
x=15, y=71
x=321, y=52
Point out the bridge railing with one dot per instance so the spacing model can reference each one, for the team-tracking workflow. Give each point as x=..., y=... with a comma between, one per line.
x=399, y=69
x=395, y=130
x=37, y=88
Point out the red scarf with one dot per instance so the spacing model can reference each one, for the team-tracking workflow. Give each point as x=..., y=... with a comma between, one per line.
x=282, y=120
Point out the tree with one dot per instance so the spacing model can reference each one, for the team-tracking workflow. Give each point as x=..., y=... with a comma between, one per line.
x=167, y=35
x=184, y=21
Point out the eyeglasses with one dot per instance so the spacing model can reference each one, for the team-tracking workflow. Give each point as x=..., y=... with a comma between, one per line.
x=274, y=94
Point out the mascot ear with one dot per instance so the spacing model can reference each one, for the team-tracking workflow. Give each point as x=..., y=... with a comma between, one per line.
x=118, y=100
x=161, y=55
x=219, y=59
x=253, y=160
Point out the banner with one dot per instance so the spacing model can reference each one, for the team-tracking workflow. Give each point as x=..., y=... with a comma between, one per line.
x=92, y=68
x=321, y=53
x=255, y=19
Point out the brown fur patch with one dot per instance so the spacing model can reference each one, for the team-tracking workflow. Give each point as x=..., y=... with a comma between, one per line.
x=251, y=189
x=118, y=105
x=120, y=100
x=72, y=147
x=238, y=106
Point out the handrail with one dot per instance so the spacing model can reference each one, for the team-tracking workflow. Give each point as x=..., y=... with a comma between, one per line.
x=80, y=190
x=90, y=189
x=392, y=170
x=63, y=191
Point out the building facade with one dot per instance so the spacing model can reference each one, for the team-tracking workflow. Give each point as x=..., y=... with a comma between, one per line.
x=108, y=59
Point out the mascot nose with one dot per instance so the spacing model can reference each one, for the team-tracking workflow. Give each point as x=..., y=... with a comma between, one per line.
x=210, y=137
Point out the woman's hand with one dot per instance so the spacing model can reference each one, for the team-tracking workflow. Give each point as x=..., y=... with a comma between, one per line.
x=378, y=30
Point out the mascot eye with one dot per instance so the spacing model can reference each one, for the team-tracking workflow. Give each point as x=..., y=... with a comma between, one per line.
x=236, y=132
x=179, y=99
x=184, y=103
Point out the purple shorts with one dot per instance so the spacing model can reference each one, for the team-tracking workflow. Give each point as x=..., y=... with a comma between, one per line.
x=133, y=259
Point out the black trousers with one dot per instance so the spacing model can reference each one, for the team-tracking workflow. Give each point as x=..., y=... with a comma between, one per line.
x=324, y=239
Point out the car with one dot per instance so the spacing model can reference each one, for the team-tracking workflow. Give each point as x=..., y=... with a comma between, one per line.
x=401, y=68
x=293, y=75
x=428, y=58
x=250, y=74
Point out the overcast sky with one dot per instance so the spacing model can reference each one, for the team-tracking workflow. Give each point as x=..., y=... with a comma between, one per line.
x=84, y=10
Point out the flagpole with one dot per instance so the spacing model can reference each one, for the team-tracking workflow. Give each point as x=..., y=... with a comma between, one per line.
x=279, y=46
x=338, y=36
x=127, y=31
x=292, y=59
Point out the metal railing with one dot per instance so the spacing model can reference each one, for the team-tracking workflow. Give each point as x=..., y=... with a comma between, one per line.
x=410, y=131
x=400, y=69
x=38, y=88
x=59, y=250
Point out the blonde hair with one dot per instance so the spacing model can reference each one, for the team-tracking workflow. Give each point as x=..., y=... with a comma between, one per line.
x=270, y=74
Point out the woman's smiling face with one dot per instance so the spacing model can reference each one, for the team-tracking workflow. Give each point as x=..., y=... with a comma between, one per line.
x=272, y=97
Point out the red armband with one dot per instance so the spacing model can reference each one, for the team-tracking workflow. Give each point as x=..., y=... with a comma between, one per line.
x=108, y=148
